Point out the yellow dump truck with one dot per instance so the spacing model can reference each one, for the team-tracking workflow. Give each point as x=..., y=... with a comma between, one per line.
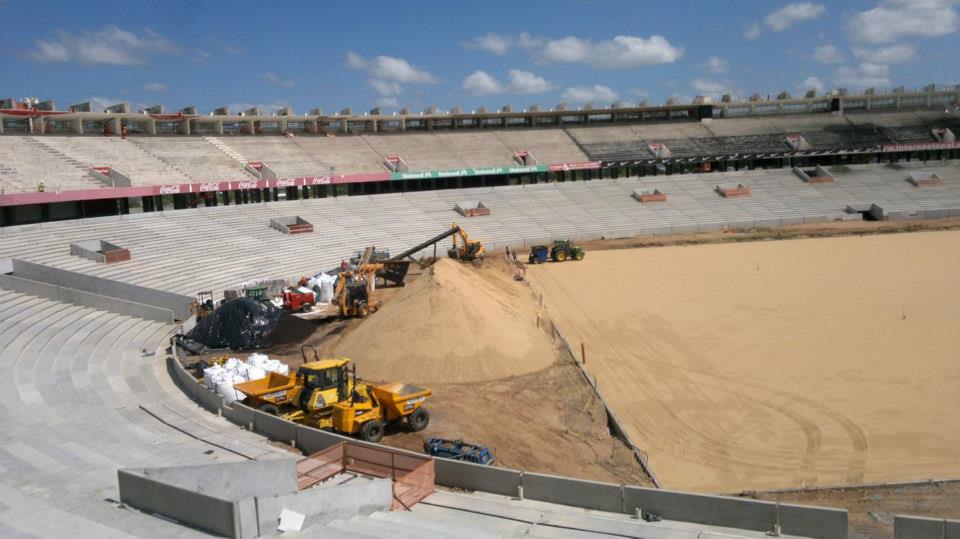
x=326, y=395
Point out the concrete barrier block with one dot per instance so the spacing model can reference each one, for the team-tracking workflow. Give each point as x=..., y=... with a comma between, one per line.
x=575, y=492
x=951, y=529
x=239, y=414
x=311, y=440
x=702, y=509
x=468, y=476
x=203, y=511
x=274, y=427
x=905, y=527
x=817, y=522
x=786, y=221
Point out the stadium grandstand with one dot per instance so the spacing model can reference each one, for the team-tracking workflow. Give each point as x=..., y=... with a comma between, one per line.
x=90, y=163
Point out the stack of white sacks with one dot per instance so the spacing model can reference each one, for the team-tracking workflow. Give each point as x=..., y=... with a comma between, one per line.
x=323, y=285
x=221, y=378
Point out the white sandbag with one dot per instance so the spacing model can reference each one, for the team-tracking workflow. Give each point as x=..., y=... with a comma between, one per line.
x=255, y=373
x=225, y=389
x=326, y=287
x=212, y=375
x=231, y=363
x=258, y=360
x=312, y=283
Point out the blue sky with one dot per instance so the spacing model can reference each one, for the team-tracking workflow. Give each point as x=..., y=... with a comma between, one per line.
x=421, y=53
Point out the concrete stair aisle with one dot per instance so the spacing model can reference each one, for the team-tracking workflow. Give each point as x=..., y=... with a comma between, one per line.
x=231, y=153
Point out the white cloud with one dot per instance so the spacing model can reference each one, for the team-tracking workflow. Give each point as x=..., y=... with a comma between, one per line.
x=893, y=54
x=200, y=57
x=583, y=94
x=812, y=83
x=752, y=31
x=481, y=83
x=110, y=45
x=230, y=49
x=385, y=88
x=388, y=102
x=391, y=69
x=621, y=51
x=894, y=19
x=521, y=82
x=791, y=14
x=99, y=104
x=275, y=79
x=828, y=55
x=716, y=65
x=711, y=87
x=492, y=42
x=865, y=75
x=155, y=87
x=525, y=82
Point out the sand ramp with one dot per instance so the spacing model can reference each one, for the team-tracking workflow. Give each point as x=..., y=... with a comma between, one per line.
x=457, y=323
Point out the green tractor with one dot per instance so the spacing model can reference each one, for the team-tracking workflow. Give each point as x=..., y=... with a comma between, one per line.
x=563, y=250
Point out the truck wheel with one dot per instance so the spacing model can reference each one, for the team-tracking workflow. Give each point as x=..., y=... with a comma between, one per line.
x=270, y=409
x=419, y=419
x=560, y=256
x=578, y=256
x=306, y=308
x=372, y=431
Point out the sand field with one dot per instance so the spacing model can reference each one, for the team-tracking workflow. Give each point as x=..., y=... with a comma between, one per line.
x=775, y=364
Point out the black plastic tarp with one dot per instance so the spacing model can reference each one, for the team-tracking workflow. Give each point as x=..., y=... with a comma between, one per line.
x=238, y=324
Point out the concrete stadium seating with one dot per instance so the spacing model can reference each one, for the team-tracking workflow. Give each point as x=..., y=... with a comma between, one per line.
x=86, y=392
x=127, y=157
x=217, y=248
x=195, y=158
x=65, y=161
x=27, y=161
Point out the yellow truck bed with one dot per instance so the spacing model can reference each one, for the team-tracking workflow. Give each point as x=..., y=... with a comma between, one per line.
x=273, y=389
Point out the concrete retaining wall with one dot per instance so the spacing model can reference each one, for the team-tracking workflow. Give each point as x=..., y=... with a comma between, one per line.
x=176, y=303
x=575, y=492
x=469, y=476
x=208, y=513
x=87, y=299
x=905, y=527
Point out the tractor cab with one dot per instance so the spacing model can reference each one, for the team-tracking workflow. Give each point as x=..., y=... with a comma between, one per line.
x=325, y=383
x=564, y=250
x=257, y=293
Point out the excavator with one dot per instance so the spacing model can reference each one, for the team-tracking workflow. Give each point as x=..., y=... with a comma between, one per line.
x=354, y=292
x=468, y=249
x=325, y=394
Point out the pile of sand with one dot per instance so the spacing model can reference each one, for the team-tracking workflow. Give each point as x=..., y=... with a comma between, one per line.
x=456, y=323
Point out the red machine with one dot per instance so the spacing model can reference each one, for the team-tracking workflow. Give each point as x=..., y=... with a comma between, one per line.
x=298, y=301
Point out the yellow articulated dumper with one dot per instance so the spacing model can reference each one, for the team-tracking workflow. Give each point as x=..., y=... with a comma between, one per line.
x=325, y=394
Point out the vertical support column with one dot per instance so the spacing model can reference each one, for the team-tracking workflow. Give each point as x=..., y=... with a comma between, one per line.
x=185, y=127
x=373, y=126
x=311, y=126
x=76, y=125
x=344, y=126
x=283, y=125
x=248, y=127
x=1, y=123
x=150, y=126
x=114, y=125
x=403, y=124
x=218, y=127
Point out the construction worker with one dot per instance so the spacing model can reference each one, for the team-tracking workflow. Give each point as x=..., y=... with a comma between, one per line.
x=40, y=186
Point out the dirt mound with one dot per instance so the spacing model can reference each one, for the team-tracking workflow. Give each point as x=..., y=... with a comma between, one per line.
x=456, y=323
